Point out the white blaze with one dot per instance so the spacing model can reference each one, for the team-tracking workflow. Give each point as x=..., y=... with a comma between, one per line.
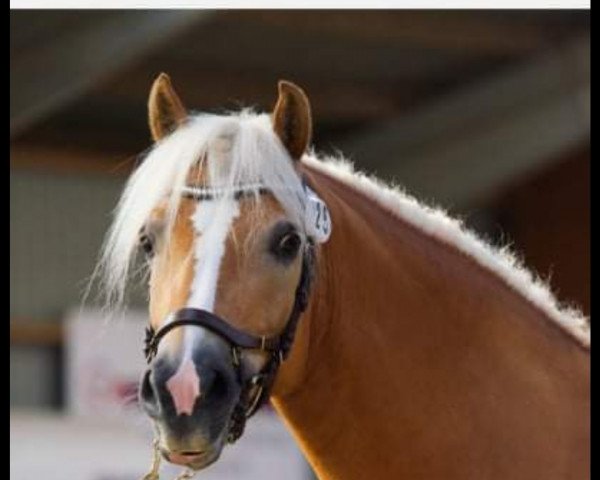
x=212, y=221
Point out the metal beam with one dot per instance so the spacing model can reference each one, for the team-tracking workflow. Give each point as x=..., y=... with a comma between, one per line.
x=463, y=148
x=336, y=100
x=36, y=333
x=53, y=68
x=70, y=161
x=464, y=32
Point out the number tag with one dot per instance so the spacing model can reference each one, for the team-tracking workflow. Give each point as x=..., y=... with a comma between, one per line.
x=318, y=221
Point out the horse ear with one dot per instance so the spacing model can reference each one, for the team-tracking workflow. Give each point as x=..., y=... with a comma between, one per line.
x=165, y=110
x=292, y=119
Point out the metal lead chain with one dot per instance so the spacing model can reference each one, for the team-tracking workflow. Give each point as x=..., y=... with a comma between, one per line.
x=186, y=474
x=153, y=474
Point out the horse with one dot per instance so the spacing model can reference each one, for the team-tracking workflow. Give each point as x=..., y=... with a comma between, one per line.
x=392, y=341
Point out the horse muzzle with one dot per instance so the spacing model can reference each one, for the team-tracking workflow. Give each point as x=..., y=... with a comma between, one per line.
x=191, y=402
x=193, y=459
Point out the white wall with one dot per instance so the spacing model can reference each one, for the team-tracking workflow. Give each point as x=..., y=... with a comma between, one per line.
x=55, y=447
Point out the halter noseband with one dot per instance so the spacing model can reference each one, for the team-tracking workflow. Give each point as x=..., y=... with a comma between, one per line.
x=255, y=390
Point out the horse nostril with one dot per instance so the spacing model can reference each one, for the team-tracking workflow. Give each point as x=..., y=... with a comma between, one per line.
x=219, y=387
x=148, y=395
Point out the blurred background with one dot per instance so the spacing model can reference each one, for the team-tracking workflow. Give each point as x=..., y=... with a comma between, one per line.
x=486, y=113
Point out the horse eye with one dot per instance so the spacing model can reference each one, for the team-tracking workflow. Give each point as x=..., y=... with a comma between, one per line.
x=287, y=246
x=146, y=244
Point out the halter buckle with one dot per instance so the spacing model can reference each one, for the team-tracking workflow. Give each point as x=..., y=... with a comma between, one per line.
x=254, y=405
x=256, y=379
x=235, y=353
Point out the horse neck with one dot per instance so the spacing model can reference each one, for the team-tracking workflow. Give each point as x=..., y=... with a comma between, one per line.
x=413, y=347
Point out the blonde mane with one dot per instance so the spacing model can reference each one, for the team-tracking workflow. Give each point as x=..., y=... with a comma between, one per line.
x=242, y=149
x=438, y=224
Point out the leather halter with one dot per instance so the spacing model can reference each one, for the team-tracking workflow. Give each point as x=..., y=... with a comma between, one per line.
x=255, y=390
